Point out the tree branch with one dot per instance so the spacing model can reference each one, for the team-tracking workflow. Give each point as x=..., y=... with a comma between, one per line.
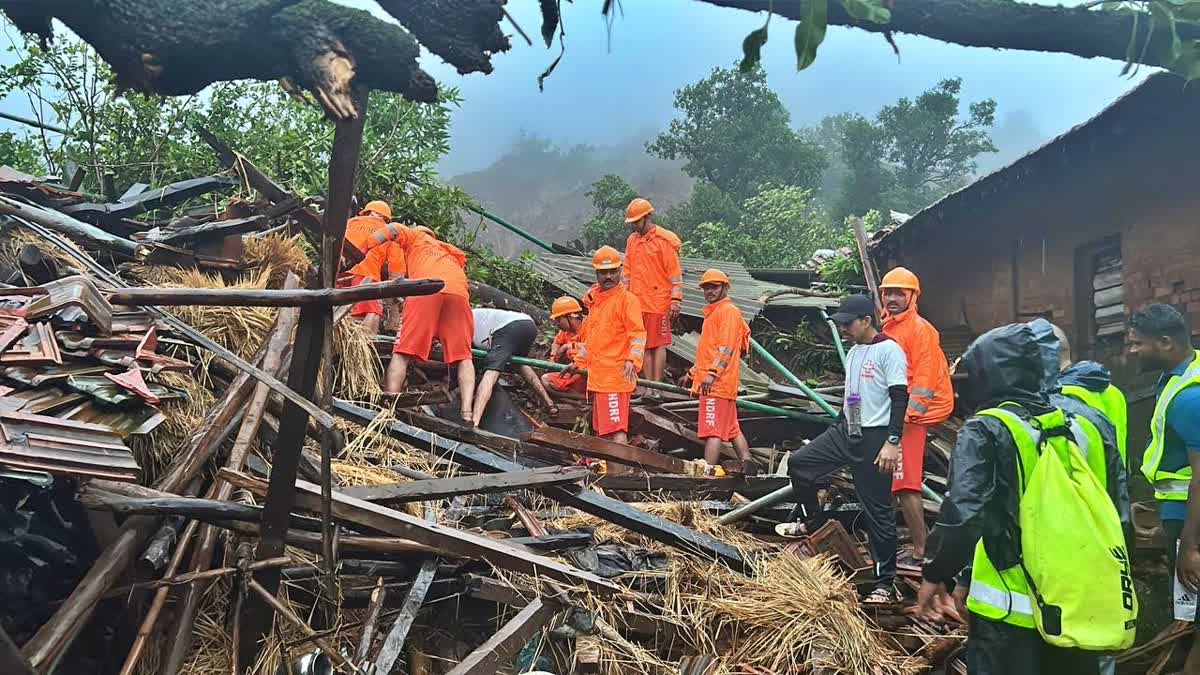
x=1002, y=24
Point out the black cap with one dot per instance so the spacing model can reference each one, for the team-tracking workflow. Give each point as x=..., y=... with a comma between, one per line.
x=853, y=307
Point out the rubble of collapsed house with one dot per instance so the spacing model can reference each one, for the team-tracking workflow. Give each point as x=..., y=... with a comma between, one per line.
x=142, y=347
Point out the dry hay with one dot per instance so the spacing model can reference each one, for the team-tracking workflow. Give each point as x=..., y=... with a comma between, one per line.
x=358, y=371
x=790, y=614
x=278, y=253
x=16, y=238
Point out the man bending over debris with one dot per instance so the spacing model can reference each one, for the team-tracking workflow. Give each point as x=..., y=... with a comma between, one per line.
x=654, y=275
x=723, y=339
x=373, y=217
x=930, y=396
x=612, y=345
x=445, y=315
x=865, y=437
x=503, y=334
x=567, y=314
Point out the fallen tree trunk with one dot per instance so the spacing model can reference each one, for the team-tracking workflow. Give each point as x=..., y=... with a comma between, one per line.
x=89, y=235
x=227, y=297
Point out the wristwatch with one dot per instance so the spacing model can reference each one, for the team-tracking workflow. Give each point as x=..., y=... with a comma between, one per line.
x=893, y=439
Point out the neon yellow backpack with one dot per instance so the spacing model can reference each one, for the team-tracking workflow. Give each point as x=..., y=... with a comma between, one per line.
x=1072, y=548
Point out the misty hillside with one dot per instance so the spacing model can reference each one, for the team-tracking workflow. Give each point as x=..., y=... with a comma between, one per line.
x=543, y=188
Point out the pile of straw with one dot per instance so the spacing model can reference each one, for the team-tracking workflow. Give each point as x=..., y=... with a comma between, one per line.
x=790, y=615
x=280, y=254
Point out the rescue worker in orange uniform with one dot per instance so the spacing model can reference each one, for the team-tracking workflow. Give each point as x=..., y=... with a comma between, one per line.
x=374, y=216
x=567, y=314
x=654, y=275
x=723, y=339
x=445, y=315
x=930, y=396
x=612, y=346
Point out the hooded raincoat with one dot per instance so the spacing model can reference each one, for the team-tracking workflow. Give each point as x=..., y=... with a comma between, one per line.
x=930, y=395
x=612, y=334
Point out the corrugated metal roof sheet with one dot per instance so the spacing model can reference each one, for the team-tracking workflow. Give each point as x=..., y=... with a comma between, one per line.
x=574, y=275
x=684, y=346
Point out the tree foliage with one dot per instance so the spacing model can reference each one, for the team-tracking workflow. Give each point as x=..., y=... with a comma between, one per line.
x=779, y=227
x=735, y=134
x=610, y=195
x=914, y=151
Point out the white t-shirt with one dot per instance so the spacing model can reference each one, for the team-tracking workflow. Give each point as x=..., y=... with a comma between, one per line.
x=870, y=370
x=488, y=321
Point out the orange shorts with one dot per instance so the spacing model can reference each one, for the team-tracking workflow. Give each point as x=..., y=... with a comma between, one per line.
x=718, y=418
x=444, y=316
x=366, y=306
x=574, y=382
x=910, y=472
x=610, y=413
x=658, y=329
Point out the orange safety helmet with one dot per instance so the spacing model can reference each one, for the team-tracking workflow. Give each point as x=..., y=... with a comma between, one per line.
x=564, y=306
x=714, y=276
x=606, y=258
x=638, y=209
x=379, y=208
x=901, y=277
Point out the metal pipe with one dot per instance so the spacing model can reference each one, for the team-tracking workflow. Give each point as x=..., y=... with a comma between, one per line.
x=34, y=123
x=814, y=396
x=649, y=384
x=837, y=338
x=746, y=510
x=509, y=226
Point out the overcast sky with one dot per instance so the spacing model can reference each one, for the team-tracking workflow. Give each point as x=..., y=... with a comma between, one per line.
x=600, y=95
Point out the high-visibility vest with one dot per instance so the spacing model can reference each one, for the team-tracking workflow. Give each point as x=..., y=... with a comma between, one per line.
x=1003, y=595
x=1111, y=404
x=1168, y=485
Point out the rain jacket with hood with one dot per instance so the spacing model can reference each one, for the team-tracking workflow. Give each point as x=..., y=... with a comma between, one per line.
x=930, y=395
x=723, y=339
x=1002, y=365
x=1117, y=478
x=652, y=270
x=612, y=334
x=1091, y=383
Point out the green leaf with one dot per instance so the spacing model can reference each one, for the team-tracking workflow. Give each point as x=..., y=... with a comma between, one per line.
x=810, y=32
x=752, y=49
x=868, y=10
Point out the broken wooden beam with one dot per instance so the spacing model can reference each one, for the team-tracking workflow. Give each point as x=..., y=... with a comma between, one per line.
x=11, y=659
x=216, y=228
x=235, y=297
x=380, y=518
x=393, y=644
x=488, y=657
x=367, y=638
x=601, y=448
x=89, y=235
x=588, y=501
x=206, y=510
x=441, y=488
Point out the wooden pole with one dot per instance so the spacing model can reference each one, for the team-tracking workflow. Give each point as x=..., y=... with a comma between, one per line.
x=280, y=339
x=393, y=645
x=378, y=594
x=157, y=604
x=486, y=659
x=11, y=659
x=872, y=277
x=234, y=297
x=274, y=603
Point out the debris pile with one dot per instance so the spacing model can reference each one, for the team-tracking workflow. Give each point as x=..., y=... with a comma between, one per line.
x=144, y=346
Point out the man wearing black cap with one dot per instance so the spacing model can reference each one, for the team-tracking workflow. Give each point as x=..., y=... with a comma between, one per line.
x=865, y=438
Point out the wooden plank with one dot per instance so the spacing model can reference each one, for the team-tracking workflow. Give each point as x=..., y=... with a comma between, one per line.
x=1108, y=296
x=600, y=448
x=274, y=298
x=613, y=510
x=441, y=488
x=486, y=659
x=396, y=523
x=700, y=487
x=393, y=645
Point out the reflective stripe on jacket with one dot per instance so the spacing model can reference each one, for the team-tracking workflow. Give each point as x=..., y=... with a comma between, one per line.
x=723, y=339
x=1003, y=595
x=1168, y=485
x=1111, y=404
x=360, y=228
x=612, y=334
x=426, y=257
x=652, y=270
x=930, y=395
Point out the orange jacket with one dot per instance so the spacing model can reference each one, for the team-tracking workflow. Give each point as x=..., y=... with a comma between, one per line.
x=426, y=257
x=723, y=339
x=930, y=396
x=612, y=334
x=652, y=271
x=360, y=228
x=565, y=338
x=389, y=258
